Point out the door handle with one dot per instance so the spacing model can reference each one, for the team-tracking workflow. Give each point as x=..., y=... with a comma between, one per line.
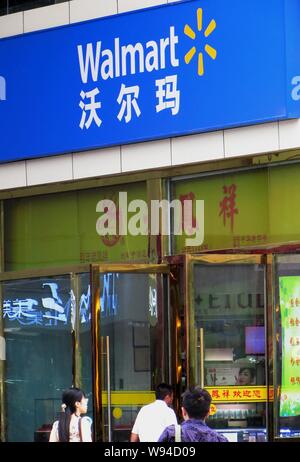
x=106, y=361
x=201, y=332
x=108, y=389
x=199, y=350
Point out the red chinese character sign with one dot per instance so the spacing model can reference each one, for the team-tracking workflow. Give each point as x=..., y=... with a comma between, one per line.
x=228, y=205
x=290, y=321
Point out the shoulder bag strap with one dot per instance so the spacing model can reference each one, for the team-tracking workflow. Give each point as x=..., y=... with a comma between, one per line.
x=80, y=429
x=177, y=433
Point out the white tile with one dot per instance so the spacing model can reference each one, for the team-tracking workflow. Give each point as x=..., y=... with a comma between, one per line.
x=197, y=148
x=49, y=169
x=129, y=5
x=97, y=163
x=251, y=140
x=82, y=10
x=12, y=175
x=11, y=24
x=142, y=156
x=46, y=17
x=289, y=134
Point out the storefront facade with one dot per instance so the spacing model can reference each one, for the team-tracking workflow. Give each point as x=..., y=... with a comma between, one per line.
x=116, y=314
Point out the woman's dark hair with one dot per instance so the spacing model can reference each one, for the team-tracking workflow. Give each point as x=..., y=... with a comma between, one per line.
x=250, y=369
x=69, y=398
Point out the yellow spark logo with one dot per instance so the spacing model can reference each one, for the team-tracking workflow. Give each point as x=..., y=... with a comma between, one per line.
x=212, y=52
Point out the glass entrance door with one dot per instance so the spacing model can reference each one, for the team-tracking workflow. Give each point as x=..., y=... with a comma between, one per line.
x=227, y=341
x=131, y=344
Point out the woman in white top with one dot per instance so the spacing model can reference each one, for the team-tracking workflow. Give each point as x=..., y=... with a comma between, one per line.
x=71, y=427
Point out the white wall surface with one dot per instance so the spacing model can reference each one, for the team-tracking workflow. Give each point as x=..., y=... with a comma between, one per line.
x=46, y=17
x=13, y=175
x=130, y=5
x=97, y=163
x=251, y=140
x=142, y=156
x=49, y=169
x=81, y=10
x=12, y=24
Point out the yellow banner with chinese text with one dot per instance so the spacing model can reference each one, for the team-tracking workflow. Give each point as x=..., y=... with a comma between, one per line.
x=233, y=394
x=227, y=394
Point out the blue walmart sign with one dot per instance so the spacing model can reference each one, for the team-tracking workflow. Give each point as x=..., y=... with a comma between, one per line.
x=177, y=69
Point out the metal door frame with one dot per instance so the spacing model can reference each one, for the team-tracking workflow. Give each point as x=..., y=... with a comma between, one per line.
x=97, y=346
x=232, y=259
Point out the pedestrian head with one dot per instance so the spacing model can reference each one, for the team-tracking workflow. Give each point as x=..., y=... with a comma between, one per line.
x=196, y=403
x=73, y=402
x=164, y=392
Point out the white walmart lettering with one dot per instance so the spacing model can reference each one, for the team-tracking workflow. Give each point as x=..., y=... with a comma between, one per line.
x=126, y=59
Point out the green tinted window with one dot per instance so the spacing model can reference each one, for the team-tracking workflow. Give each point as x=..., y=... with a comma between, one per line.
x=60, y=229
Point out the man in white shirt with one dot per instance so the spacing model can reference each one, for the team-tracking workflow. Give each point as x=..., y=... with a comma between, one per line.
x=153, y=418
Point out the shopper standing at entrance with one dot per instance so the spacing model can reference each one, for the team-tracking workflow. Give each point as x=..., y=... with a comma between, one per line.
x=71, y=427
x=195, y=408
x=153, y=418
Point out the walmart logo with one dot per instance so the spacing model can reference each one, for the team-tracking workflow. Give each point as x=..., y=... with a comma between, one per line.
x=2, y=89
x=212, y=52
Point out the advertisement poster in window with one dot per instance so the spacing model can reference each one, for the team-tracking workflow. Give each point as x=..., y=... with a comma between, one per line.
x=290, y=321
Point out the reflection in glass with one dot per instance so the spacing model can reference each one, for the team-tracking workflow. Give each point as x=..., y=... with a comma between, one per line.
x=37, y=329
x=229, y=329
x=132, y=319
x=39, y=316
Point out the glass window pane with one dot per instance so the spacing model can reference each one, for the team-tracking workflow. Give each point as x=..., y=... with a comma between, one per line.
x=229, y=208
x=132, y=316
x=229, y=317
x=61, y=229
x=37, y=331
x=3, y=7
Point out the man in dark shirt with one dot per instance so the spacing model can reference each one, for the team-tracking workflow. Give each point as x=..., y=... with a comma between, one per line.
x=195, y=409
